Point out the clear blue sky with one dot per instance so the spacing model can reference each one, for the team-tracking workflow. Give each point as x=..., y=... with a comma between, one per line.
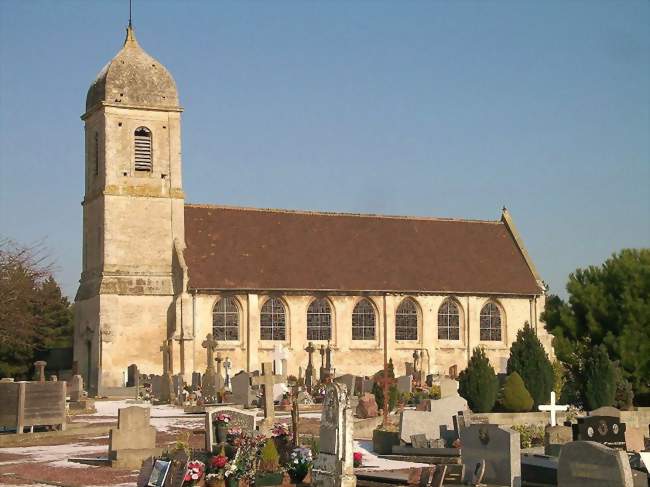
x=448, y=109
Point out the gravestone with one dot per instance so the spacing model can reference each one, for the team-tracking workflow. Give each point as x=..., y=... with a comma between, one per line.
x=178, y=383
x=367, y=407
x=634, y=439
x=555, y=437
x=242, y=392
x=606, y=430
x=131, y=375
x=435, y=423
x=76, y=388
x=39, y=370
x=166, y=395
x=196, y=380
x=309, y=371
x=209, y=379
x=220, y=383
x=246, y=420
x=606, y=411
x=333, y=467
x=133, y=440
x=267, y=381
x=349, y=380
x=405, y=384
x=419, y=441
x=499, y=447
x=448, y=387
x=366, y=385
x=586, y=463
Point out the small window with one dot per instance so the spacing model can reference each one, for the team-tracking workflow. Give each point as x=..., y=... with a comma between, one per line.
x=273, y=320
x=96, y=159
x=363, y=321
x=143, y=150
x=225, y=320
x=490, y=323
x=449, y=321
x=406, y=321
x=319, y=320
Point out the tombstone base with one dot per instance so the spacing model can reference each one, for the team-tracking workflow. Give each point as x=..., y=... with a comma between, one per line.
x=132, y=459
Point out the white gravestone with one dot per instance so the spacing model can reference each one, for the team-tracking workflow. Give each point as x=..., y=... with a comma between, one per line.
x=334, y=466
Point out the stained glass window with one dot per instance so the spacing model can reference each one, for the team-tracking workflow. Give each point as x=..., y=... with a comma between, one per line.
x=490, y=324
x=406, y=321
x=273, y=320
x=449, y=321
x=363, y=321
x=225, y=319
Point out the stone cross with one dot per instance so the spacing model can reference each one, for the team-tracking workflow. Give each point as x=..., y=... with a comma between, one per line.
x=40, y=370
x=385, y=381
x=210, y=344
x=164, y=348
x=219, y=359
x=553, y=408
x=266, y=380
x=309, y=372
x=227, y=365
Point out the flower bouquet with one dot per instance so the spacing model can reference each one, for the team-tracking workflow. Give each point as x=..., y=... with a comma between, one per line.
x=300, y=461
x=194, y=473
x=216, y=470
x=220, y=424
x=357, y=459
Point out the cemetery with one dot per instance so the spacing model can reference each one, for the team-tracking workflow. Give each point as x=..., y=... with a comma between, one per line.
x=322, y=429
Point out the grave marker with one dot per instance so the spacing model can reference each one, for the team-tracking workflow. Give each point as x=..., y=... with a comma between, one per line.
x=267, y=380
x=133, y=440
x=606, y=430
x=210, y=377
x=246, y=420
x=553, y=408
x=309, y=372
x=499, y=447
x=586, y=463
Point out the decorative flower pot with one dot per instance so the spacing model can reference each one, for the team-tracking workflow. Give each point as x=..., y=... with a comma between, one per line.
x=268, y=478
x=383, y=441
x=221, y=432
x=298, y=475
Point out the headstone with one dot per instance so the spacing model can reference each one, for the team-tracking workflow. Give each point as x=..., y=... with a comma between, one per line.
x=209, y=379
x=367, y=385
x=606, y=411
x=349, y=380
x=367, y=407
x=419, y=441
x=227, y=365
x=555, y=437
x=166, y=385
x=219, y=383
x=246, y=420
x=405, y=384
x=333, y=467
x=438, y=420
x=133, y=440
x=131, y=375
x=606, y=430
x=309, y=371
x=553, y=408
x=267, y=380
x=196, y=380
x=448, y=387
x=39, y=370
x=242, y=392
x=156, y=385
x=499, y=447
x=408, y=367
x=76, y=388
x=178, y=382
x=586, y=463
x=634, y=439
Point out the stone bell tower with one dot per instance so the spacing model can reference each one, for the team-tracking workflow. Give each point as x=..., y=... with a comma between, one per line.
x=133, y=231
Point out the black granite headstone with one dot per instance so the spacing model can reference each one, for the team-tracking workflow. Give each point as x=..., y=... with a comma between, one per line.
x=606, y=430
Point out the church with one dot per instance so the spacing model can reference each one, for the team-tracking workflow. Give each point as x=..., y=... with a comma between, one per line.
x=160, y=273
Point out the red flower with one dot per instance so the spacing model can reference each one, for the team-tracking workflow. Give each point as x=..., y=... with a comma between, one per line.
x=357, y=456
x=219, y=461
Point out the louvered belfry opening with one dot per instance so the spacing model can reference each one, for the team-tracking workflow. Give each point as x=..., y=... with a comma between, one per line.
x=143, y=150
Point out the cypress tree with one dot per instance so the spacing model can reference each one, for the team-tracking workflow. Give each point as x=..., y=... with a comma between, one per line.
x=478, y=383
x=515, y=396
x=529, y=359
x=599, y=379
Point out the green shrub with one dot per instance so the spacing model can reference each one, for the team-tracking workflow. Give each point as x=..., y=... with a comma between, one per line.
x=269, y=457
x=515, y=396
x=600, y=379
x=529, y=359
x=478, y=383
x=529, y=435
x=434, y=392
x=559, y=377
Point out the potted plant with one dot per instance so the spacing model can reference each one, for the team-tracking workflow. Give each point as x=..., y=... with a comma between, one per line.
x=220, y=425
x=268, y=469
x=216, y=470
x=194, y=473
x=383, y=440
x=282, y=439
x=242, y=469
x=300, y=461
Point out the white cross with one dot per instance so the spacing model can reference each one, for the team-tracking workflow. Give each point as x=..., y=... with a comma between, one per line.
x=553, y=408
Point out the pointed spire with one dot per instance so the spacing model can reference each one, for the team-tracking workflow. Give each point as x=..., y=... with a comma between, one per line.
x=130, y=35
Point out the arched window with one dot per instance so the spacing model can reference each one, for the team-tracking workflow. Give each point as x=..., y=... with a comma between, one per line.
x=225, y=319
x=406, y=321
x=363, y=321
x=319, y=320
x=272, y=320
x=448, y=320
x=143, y=149
x=490, y=324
